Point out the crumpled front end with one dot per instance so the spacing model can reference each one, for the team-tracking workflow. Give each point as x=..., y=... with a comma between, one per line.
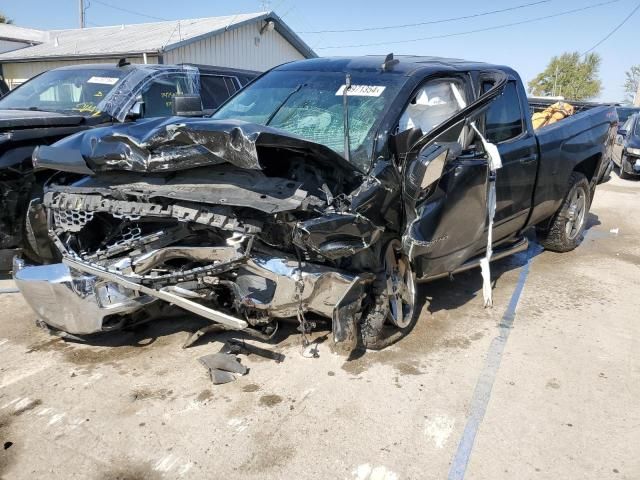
x=234, y=285
x=241, y=247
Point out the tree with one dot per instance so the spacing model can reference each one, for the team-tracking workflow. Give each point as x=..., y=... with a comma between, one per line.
x=570, y=77
x=4, y=19
x=631, y=83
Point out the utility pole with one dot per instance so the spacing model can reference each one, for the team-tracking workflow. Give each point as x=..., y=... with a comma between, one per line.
x=81, y=12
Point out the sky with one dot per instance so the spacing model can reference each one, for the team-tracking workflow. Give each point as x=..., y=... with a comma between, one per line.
x=527, y=46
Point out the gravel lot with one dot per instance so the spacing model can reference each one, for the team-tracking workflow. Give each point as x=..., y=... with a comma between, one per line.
x=552, y=392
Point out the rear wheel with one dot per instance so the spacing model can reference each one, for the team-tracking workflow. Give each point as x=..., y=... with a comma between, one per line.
x=395, y=314
x=568, y=225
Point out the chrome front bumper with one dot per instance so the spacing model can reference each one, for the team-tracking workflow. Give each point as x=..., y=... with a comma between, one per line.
x=83, y=298
x=74, y=302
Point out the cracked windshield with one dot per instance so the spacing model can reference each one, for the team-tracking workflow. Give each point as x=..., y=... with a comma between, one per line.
x=310, y=105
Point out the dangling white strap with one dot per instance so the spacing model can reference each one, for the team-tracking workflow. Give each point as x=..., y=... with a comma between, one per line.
x=494, y=163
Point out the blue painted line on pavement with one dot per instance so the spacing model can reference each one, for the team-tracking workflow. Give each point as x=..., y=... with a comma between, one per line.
x=482, y=392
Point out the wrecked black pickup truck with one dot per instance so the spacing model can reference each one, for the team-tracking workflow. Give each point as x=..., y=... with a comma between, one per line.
x=66, y=100
x=323, y=191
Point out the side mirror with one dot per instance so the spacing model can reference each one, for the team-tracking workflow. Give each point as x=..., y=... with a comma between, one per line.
x=425, y=170
x=187, y=106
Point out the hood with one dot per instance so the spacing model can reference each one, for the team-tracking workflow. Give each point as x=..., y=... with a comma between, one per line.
x=176, y=143
x=20, y=119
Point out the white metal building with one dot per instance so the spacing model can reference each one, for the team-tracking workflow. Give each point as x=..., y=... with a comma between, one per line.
x=13, y=37
x=252, y=41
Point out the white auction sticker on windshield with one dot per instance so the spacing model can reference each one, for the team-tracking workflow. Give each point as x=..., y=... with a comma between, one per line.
x=103, y=80
x=362, y=90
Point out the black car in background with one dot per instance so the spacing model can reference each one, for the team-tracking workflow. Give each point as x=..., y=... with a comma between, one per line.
x=626, y=150
x=66, y=100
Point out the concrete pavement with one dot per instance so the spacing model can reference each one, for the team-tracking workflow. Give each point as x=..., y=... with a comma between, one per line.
x=562, y=402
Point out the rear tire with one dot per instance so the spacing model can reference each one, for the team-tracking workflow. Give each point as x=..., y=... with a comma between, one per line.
x=569, y=222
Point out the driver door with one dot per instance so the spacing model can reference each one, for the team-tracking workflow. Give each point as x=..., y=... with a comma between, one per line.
x=445, y=189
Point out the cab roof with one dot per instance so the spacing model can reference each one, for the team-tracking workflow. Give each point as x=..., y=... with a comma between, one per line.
x=407, y=64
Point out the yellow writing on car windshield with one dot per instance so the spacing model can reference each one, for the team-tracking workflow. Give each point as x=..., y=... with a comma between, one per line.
x=86, y=107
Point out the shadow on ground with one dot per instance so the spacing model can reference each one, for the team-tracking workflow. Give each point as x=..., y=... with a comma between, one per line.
x=448, y=294
x=444, y=294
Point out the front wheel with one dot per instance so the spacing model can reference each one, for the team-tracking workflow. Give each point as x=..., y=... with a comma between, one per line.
x=568, y=225
x=395, y=313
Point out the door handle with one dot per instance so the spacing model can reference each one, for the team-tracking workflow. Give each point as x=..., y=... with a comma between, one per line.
x=529, y=159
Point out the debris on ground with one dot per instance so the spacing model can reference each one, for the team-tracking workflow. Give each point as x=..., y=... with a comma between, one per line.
x=239, y=346
x=222, y=367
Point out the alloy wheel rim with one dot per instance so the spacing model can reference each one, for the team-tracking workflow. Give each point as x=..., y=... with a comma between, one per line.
x=576, y=213
x=400, y=286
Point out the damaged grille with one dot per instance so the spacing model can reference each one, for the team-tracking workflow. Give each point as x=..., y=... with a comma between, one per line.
x=130, y=234
x=65, y=205
x=111, y=234
x=71, y=220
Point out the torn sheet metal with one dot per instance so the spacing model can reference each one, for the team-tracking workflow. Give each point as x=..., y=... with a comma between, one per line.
x=336, y=235
x=223, y=361
x=222, y=367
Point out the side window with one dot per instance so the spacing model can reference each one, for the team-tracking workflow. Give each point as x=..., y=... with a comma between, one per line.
x=158, y=95
x=214, y=90
x=503, y=120
x=434, y=103
x=628, y=124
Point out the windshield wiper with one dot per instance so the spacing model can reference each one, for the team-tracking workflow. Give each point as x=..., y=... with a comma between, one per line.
x=291, y=94
x=29, y=109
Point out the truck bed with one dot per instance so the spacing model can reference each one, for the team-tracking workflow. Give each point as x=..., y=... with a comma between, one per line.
x=537, y=104
x=578, y=139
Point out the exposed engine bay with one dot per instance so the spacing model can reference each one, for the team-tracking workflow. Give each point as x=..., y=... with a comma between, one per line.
x=263, y=227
